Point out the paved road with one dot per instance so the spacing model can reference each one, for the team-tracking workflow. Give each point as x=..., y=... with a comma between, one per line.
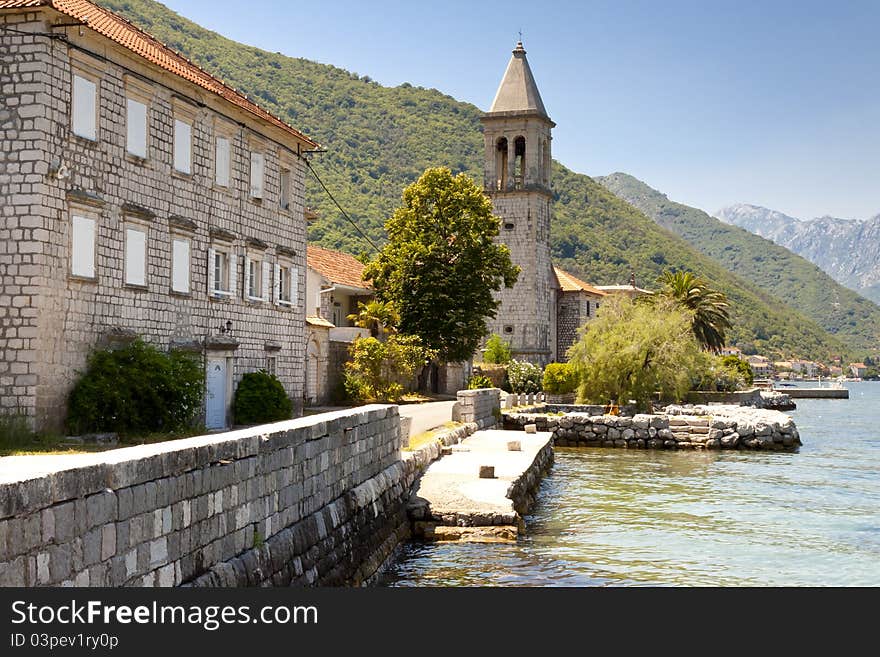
x=427, y=416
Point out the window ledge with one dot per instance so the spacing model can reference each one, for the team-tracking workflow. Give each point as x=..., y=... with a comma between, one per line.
x=82, y=279
x=136, y=286
x=288, y=304
x=136, y=159
x=178, y=293
x=182, y=175
x=85, y=141
x=256, y=300
x=220, y=296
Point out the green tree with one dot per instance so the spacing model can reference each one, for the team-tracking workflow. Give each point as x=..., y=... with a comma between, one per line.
x=380, y=317
x=260, y=397
x=741, y=366
x=382, y=371
x=441, y=265
x=631, y=350
x=497, y=351
x=709, y=307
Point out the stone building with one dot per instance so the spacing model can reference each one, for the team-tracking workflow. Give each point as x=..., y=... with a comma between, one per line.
x=140, y=197
x=335, y=286
x=577, y=303
x=517, y=135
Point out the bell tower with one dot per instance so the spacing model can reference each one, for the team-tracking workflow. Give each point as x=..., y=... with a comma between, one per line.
x=517, y=132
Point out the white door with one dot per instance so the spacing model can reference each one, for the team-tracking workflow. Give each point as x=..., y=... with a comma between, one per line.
x=215, y=402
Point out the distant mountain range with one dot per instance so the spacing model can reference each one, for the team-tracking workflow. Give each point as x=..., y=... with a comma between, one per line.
x=773, y=268
x=848, y=249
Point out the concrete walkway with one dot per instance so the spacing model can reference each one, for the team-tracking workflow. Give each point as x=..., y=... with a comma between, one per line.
x=452, y=492
x=426, y=416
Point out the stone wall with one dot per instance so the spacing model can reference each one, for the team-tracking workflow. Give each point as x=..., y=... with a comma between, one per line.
x=317, y=500
x=52, y=320
x=680, y=427
x=482, y=407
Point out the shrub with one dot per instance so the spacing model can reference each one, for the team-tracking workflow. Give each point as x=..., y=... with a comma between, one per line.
x=478, y=381
x=559, y=379
x=497, y=351
x=137, y=389
x=381, y=371
x=741, y=366
x=260, y=398
x=524, y=376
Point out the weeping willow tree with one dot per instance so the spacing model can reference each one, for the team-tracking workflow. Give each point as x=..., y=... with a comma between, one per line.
x=630, y=351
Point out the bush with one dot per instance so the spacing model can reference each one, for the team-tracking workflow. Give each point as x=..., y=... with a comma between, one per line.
x=741, y=366
x=524, y=377
x=497, y=351
x=260, y=398
x=381, y=371
x=478, y=381
x=559, y=379
x=137, y=389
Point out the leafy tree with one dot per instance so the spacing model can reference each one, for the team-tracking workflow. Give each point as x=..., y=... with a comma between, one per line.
x=441, y=266
x=497, y=351
x=260, y=397
x=741, y=366
x=709, y=307
x=380, y=317
x=630, y=351
x=382, y=371
x=478, y=381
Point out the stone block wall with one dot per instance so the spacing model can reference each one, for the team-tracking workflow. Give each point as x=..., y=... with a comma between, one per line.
x=319, y=499
x=691, y=427
x=52, y=320
x=482, y=407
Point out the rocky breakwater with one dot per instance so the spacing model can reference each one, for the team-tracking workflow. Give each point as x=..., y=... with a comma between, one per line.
x=679, y=427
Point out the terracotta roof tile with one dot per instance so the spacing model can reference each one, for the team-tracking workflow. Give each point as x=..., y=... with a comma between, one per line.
x=570, y=283
x=339, y=268
x=126, y=34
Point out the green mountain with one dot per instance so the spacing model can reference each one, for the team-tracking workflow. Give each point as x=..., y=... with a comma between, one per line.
x=772, y=267
x=380, y=139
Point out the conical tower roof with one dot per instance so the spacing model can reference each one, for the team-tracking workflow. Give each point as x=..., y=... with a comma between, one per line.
x=518, y=92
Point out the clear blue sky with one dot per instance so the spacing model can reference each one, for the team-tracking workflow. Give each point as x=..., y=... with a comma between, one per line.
x=769, y=102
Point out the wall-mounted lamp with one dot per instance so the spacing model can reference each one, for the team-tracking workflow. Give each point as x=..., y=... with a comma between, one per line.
x=226, y=328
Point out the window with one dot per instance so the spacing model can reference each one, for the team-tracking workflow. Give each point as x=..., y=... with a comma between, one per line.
x=222, y=279
x=508, y=329
x=284, y=196
x=257, y=166
x=136, y=126
x=135, y=255
x=82, y=246
x=221, y=162
x=180, y=265
x=286, y=285
x=84, y=115
x=257, y=284
x=182, y=146
x=270, y=365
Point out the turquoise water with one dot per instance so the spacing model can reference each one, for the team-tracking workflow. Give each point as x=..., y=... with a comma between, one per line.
x=608, y=517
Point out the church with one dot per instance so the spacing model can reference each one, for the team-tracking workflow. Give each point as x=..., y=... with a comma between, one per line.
x=540, y=315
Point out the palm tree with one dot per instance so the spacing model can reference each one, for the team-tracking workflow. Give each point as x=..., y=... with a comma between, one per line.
x=380, y=317
x=709, y=307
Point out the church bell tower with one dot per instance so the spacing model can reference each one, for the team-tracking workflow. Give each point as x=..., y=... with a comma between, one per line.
x=517, y=132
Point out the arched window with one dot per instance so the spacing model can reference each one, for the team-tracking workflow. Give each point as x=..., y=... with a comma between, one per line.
x=519, y=162
x=546, y=162
x=501, y=164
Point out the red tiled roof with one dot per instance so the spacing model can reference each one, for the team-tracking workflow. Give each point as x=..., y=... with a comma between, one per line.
x=129, y=36
x=337, y=267
x=570, y=283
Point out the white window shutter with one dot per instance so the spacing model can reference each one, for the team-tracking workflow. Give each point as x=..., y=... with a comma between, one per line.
x=276, y=292
x=222, y=162
x=294, y=286
x=84, y=120
x=212, y=256
x=180, y=266
x=257, y=175
x=83, y=247
x=246, y=292
x=267, y=271
x=135, y=257
x=182, y=146
x=233, y=273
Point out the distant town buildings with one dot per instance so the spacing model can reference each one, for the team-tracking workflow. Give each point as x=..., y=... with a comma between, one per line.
x=858, y=370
